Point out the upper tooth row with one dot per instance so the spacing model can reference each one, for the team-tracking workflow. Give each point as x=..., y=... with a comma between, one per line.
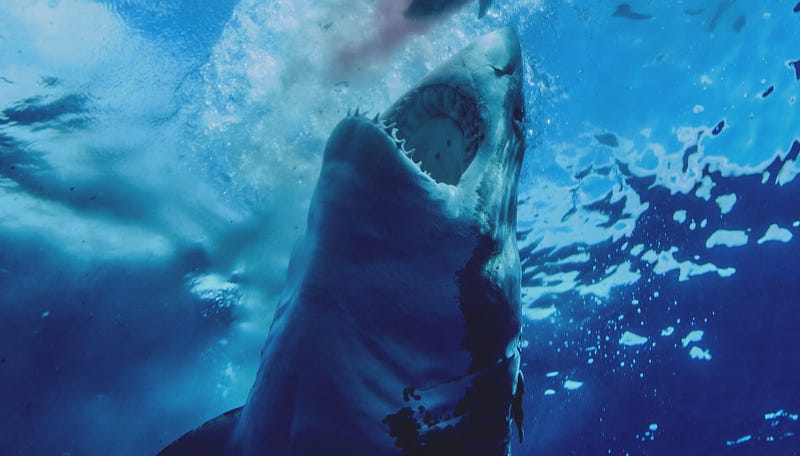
x=392, y=131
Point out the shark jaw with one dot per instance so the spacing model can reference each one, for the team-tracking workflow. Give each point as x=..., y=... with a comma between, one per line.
x=398, y=331
x=442, y=127
x=468, y=103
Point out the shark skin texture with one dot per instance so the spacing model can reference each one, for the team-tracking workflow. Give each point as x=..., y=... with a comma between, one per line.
x=399, y=328
x=429, y=8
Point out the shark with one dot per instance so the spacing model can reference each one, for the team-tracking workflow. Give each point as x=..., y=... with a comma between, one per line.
x=399, y=328
x=429, y=8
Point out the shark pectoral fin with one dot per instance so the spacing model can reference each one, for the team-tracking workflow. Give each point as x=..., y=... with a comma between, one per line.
x=212, y=438
x=483, y=7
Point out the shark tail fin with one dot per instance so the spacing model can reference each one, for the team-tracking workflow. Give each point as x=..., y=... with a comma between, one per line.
x=483, y=7
x=212, y=438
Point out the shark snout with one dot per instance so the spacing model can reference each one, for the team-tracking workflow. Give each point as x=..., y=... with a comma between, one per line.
x=503, y=51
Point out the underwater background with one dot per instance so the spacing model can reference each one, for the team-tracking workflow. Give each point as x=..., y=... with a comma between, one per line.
x=157, y=160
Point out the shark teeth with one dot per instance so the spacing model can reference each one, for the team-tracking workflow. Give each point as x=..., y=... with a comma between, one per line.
x=435, y=101
x=443, y=100
x=439, y=100
x=357, y=113
x=392, y=131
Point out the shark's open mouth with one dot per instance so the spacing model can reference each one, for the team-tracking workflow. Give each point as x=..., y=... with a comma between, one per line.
x=439, y=127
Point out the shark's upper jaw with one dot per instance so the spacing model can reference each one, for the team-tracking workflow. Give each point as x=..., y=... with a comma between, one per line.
x=439, y=127
x=462, y=110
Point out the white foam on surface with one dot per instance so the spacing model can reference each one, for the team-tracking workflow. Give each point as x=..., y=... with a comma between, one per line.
x=617, y=275
x=664, y=262
x=776, y=234
x=694, y=336
x=698, y=353
x=543, y=210
x=726, y=272
x=629, y=338
x=704, y=190
x=538, y=313
x=740, y=440
x=788, y=172
x=781, y=414
x=572, y=385
x=577, y=258
x=551, y=284
x=726, y=202
x=727, y=238
x=214, y=288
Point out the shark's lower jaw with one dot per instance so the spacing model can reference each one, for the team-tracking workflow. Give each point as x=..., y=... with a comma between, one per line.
x=439, y=127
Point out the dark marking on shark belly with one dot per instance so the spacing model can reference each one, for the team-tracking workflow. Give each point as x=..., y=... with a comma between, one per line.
x=479, y=423
x=485, y=306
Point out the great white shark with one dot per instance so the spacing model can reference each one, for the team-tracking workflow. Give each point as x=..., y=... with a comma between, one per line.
x=399, y=328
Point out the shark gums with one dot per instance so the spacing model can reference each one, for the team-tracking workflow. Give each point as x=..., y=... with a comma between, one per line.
x=398, y=331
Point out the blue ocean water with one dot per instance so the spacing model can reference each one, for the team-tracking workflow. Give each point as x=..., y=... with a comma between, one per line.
x=157, y=159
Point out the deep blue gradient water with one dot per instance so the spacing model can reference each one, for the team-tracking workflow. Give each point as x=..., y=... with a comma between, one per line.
x=157, y=158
